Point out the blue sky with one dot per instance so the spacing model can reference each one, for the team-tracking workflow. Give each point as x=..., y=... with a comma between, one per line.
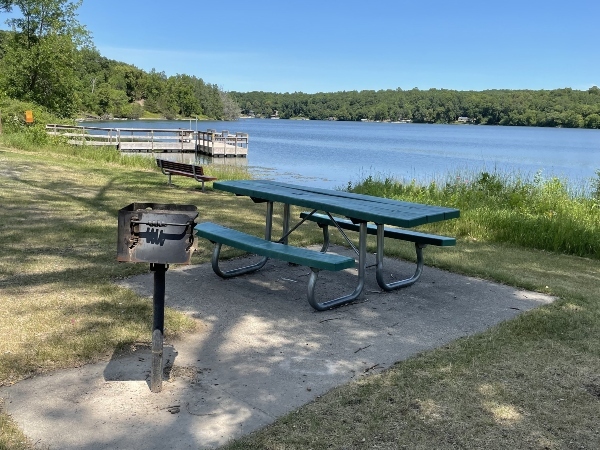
x=327, y=46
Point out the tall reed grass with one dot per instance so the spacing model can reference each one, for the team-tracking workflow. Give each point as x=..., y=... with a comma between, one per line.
x=545, y=214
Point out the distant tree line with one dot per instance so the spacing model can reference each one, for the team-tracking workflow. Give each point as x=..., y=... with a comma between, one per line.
x=47, y=57
x=542, y=108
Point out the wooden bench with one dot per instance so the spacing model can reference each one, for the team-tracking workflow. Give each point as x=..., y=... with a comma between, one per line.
x=186, y=170
x=421, y=240
x=316, y=260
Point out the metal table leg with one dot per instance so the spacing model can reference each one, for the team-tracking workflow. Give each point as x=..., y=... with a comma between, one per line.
x=286, y=223
x=380, y=272
x=362, y=268
x=252, y=267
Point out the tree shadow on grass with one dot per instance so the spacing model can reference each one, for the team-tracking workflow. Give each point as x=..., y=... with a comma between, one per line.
x=59, y=250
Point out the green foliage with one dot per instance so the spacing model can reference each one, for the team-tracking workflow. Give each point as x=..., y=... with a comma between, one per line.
x=20, y=133
x=114, y=89
x=555, y=108
x=592, y=121
x=540, y=213
x=48, y=59
x=5, y=5
x=39, y=56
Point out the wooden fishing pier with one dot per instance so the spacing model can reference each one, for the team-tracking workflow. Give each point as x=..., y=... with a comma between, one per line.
x=148, y=140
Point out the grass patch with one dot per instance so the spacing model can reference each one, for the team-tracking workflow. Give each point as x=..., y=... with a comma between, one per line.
x=532, y=382
x=11, y=438
x=150, y=115
x=544, y=214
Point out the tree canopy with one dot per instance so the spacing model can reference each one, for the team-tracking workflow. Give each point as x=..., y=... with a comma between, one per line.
x=547, y=108
x=39, y=56
x=112, y=88
x=48, y=58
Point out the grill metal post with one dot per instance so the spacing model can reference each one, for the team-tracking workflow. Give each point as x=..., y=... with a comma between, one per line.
x=159, y=296
x=158, y=326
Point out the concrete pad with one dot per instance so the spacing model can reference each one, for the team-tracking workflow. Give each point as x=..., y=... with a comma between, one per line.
x=260, y=352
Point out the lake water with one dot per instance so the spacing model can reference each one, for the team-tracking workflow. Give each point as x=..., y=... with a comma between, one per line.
x=331, y=154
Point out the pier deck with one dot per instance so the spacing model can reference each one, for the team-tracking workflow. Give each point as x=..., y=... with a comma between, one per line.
x=210, y=142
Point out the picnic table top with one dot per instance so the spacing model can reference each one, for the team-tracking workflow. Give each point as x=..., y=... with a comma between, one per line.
x=359, y=207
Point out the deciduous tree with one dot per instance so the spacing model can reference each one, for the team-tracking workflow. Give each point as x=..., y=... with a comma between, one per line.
x=40, y=59
x=6, y=5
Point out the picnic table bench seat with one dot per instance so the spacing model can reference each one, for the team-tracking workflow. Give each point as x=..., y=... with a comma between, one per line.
x=394, y=233
x=187, y=170
x=421, y=240
x=315, y=260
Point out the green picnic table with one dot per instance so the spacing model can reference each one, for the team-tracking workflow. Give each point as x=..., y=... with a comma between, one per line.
x=365, y=214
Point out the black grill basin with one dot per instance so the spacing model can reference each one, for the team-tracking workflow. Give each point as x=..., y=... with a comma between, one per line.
x=156, y=233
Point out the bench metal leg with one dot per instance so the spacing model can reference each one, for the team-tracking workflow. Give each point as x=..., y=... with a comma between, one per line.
x=379, y=263
x=252, y=267
x=380, y=272
x=362, y=258
x=233, y=272
x=326, y=241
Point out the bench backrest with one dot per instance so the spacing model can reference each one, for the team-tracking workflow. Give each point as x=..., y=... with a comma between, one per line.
x=179, y=167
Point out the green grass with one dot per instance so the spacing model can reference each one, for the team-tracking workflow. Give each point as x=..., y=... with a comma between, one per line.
x=532, y=382
x=150, y=115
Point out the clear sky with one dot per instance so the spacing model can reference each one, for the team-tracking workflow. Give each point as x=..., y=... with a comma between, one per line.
x=330, y=45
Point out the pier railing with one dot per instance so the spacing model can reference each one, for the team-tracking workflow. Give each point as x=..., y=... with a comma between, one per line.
x=210, y=142
x=213, y=143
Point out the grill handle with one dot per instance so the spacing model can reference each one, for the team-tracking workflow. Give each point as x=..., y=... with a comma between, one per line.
x=159, y=224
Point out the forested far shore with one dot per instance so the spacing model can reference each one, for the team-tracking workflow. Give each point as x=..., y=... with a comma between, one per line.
x=541, y=108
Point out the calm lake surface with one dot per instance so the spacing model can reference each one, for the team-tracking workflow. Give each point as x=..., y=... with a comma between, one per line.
x=331, y=154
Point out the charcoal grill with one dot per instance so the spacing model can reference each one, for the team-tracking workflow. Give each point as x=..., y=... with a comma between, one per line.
x=159, y=234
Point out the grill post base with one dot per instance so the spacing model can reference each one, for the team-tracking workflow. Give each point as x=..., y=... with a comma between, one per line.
x=156, y=374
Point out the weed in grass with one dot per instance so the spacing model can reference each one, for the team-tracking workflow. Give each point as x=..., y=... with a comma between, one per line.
x=596, y=188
